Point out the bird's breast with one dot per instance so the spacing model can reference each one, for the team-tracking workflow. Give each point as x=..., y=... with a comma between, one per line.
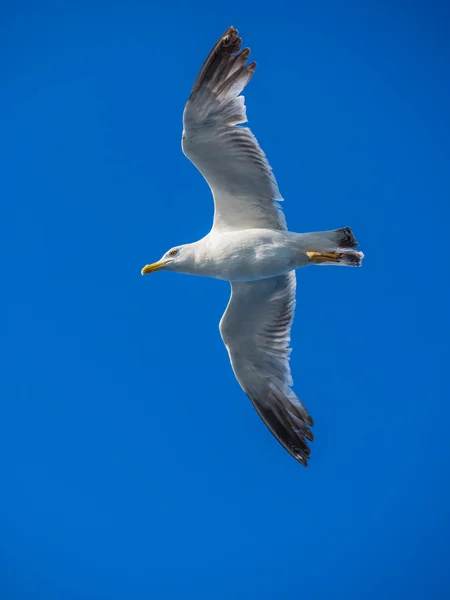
x=249, y=255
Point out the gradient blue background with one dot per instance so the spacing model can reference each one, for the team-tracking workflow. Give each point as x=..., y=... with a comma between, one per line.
x=133, y=466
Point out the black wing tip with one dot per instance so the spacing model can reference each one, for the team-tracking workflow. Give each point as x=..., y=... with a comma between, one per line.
x=293, y=436
x=225, y=55
x=231, y=41
x=301, y=452
x=230, y=32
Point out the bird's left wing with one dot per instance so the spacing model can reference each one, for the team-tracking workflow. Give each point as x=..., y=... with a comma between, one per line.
x=256, y=331
x=245, y=191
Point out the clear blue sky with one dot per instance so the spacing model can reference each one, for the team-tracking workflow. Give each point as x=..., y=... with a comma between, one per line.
x=133, y=466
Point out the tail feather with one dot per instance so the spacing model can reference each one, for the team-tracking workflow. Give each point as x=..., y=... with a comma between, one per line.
x=326, y=240
x=345, y=238
x=351, y=258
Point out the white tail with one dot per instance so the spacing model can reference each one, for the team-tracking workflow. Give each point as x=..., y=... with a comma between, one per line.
x=328, y=240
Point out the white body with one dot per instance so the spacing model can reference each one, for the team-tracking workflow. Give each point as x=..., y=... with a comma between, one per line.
x=247, y=255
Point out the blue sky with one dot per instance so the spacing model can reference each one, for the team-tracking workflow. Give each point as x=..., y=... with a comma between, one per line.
x=133, y=465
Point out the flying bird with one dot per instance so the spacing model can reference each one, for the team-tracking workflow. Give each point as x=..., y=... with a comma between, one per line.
x=249, y=244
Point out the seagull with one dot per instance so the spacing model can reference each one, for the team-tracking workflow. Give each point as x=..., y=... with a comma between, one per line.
x=249, y=244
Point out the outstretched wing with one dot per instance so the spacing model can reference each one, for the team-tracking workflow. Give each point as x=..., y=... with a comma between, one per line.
x=256, y=331
x=245, y=191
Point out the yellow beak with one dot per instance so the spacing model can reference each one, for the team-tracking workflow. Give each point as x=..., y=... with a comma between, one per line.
x=157, y=266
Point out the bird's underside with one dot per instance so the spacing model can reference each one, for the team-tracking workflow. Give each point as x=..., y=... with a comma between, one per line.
x=257, y=322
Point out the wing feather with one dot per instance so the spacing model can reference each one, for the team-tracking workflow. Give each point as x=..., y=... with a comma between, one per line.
x=245, y=191
x=256, y=331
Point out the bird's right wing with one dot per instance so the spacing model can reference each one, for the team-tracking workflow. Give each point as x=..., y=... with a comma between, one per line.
x=245, y=191
x=256, y=331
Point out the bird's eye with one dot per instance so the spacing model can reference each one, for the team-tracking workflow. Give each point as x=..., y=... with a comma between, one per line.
x=173, y=252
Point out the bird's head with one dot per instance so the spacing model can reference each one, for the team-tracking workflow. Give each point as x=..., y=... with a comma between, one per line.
x=178, y=258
